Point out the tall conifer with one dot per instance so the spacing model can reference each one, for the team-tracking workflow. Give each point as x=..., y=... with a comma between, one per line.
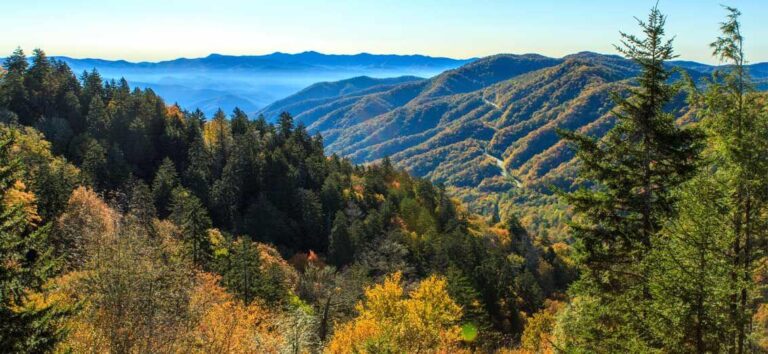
x=634, y=170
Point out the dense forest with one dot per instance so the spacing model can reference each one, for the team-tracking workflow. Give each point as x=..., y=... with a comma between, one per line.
x=131, y=225
x=136, y=226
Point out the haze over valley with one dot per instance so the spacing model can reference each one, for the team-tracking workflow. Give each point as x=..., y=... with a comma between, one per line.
x=252, y=82
x=516, y=177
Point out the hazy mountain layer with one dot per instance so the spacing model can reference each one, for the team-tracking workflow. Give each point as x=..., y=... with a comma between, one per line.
x=252, y=82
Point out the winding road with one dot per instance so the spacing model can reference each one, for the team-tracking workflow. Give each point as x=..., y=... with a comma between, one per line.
x=499, y=162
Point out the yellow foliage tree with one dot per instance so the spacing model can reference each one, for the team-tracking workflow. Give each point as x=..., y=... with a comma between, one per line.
x=227, y=325
x=389, y=321
x=18, y=195
x=86, y=220
x=760, y=322
x=537, y=336
x=216, y=132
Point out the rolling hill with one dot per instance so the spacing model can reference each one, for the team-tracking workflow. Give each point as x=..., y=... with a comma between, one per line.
x=471, y=125
x=488, y=127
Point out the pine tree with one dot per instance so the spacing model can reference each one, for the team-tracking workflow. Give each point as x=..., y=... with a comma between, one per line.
x=635, y=169
x=93, y=86
x=41, y=88
x=140, y=205
x=97, y=119
x=285, y=125
x=245, y=274
x=690, y=279
x=241, y=273
x=312, y=222
x=93, y=162
x=737, y=123
x=25, y=264
x=218, y=139
x=12, y=90
x=191, y=216
x=340, y=250
x=240, y=122
x=197, y=176
x=166, y=180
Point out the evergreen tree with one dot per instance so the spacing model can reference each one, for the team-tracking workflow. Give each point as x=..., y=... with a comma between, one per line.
x=285, y=125
x=311, y=221
x=25, y=264
x=736, y=121
x=690, y=280
x=69, y=109
x=166, y=180
x=340, y=249
x=245, y=274
x=191, y=216
x=140, y=206
x=197, y=177
x=41, y=88
x=94, y=162
x=240, y=122
x=242, y=270
x=635, y=168
x=67, y=97
x=118, y=170
x=218, y=138
x=97, y=119
x=14, y=94
x=93, y=86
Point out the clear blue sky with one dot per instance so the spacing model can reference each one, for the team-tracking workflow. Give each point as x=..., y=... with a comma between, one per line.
x=163, y=29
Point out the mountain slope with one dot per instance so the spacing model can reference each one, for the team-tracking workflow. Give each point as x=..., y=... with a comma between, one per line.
x=450, y=126
x=488, y=126
x=325, y=91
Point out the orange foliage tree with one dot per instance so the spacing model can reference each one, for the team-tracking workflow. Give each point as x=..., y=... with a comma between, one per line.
x=227, y=325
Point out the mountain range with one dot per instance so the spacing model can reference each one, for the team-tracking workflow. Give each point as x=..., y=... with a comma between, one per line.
x=485, y=128
x=251, y=82
x=489, y=126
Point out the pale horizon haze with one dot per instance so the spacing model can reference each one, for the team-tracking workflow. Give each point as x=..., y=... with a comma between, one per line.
x=145, y=30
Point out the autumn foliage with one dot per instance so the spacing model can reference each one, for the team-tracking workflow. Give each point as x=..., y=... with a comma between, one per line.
x=426, y=320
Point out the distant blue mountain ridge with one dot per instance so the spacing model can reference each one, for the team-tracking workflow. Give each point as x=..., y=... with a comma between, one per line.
x=255, y=82
x=251, y=82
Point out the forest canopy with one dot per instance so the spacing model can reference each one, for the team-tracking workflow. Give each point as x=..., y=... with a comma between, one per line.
x=131, y=225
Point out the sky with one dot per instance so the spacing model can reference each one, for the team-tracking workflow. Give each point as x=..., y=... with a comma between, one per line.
x=153, y=30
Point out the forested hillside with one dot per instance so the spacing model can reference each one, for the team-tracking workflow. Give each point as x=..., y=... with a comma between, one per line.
x=625, y=210
x=137, y=226
x=487, y=130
